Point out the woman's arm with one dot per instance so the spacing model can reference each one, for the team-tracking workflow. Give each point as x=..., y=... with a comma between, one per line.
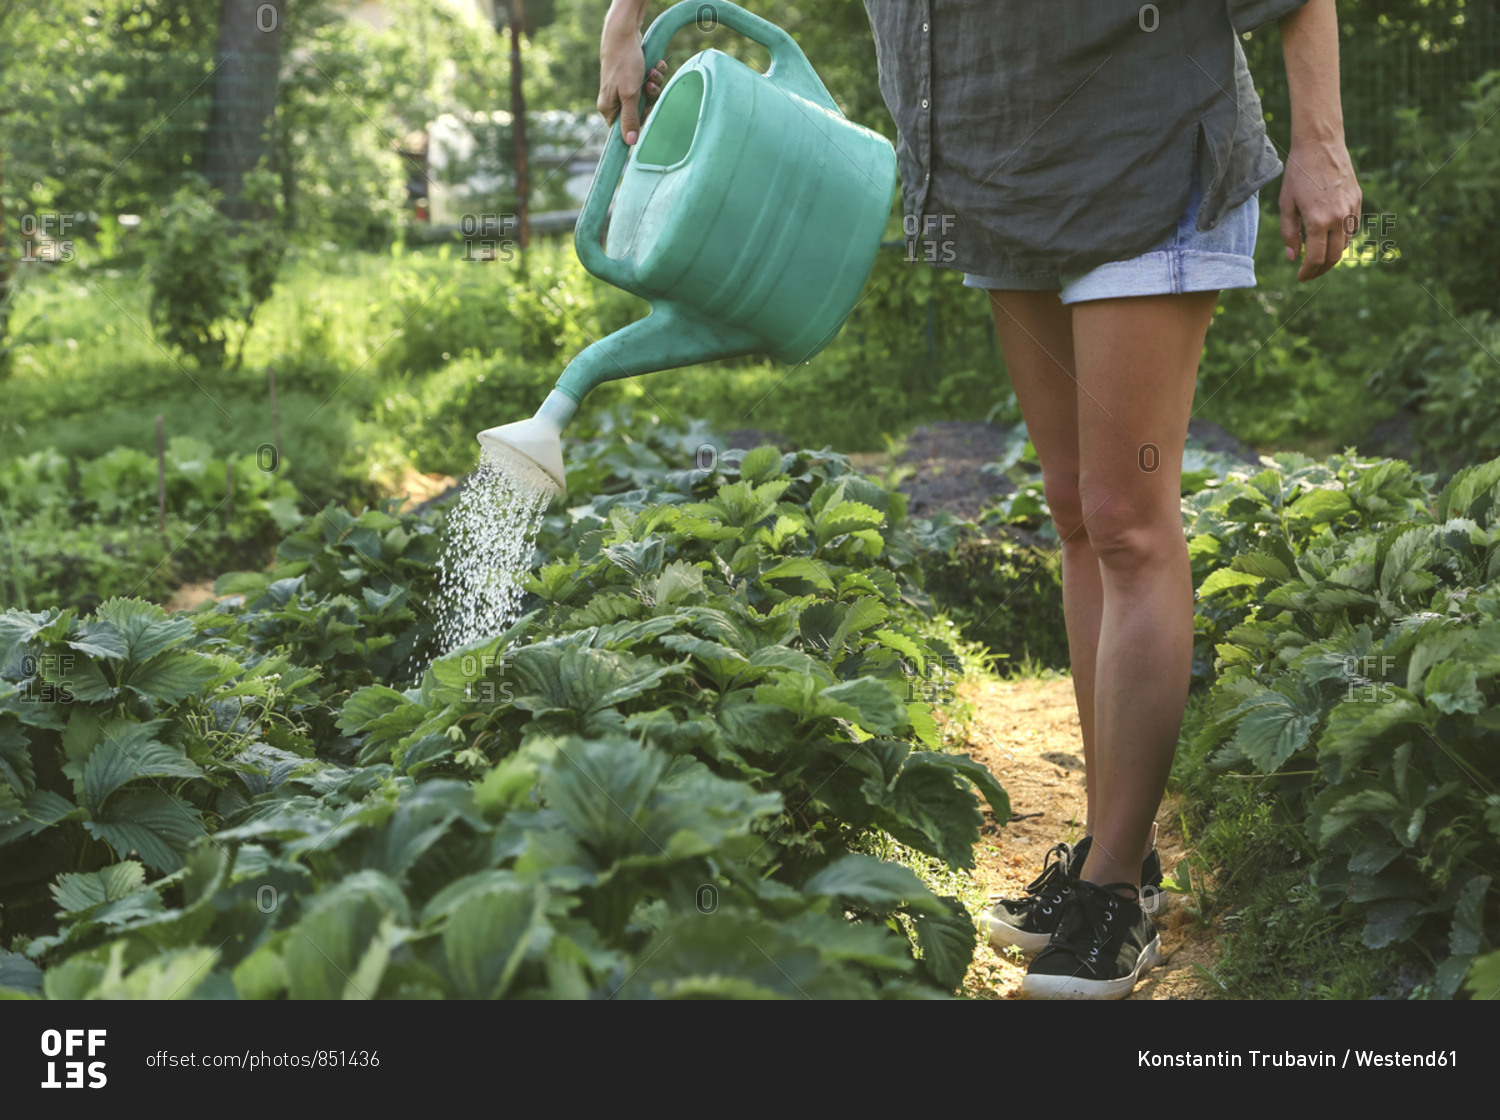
x=622, y=67
x=1319, y=192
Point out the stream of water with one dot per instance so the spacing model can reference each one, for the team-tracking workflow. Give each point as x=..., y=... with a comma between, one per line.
x=492, y=529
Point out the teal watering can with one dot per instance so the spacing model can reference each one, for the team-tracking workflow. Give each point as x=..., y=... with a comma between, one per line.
x=748, y=213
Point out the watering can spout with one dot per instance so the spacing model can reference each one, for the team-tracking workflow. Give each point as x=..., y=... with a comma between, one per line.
x=668, y=338
x=535, y=445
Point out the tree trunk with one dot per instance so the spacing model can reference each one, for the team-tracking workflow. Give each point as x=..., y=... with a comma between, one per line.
x=518, y=124
x=248, y=66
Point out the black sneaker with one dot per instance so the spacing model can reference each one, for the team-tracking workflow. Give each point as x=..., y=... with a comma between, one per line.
x=1104, y=941
x=1028, y=923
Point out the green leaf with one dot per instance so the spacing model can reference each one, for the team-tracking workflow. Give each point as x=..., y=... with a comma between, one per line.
x=947, y=939
x=40, y=809
x=867, y=702
x=145, y=628
x=902, y=645
x=1483, y=981
x=761, y=465
x=84, y=890
x=1273, y=726
x=867, y=883
x=845, y=517
x=333, y=940
x=487, y=937
x=130, y=750
x=373, y=702
x=678, y=581
x=157, y=826
x=1225, y=579
x=976, y=772
x=1468, y=918
x=801, y=567
x=1316, y=507
x=17, y=974
x=1454, y=687
x=175, y=674
x=97, y=639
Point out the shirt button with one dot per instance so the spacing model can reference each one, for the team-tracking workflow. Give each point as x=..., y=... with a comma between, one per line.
x=924, y=102
x=924, y=29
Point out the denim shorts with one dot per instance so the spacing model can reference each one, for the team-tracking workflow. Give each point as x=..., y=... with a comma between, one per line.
x=1187, y=260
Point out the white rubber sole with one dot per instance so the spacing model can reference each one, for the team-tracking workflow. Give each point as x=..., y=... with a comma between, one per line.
x=1003, y=935
x=1077, y=987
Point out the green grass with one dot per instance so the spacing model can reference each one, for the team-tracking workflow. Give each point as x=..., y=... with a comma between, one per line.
x=1280, y=941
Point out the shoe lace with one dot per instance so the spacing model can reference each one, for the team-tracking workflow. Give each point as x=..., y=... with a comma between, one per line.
x=1051, y=885
x=1054, y=870
x=1094, y=916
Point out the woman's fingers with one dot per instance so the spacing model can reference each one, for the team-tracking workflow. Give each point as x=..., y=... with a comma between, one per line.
x=624, y=100
x=657, y=78
x=1291, y=225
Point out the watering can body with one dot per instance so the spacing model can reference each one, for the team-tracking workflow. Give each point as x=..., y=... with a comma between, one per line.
x=748, y=213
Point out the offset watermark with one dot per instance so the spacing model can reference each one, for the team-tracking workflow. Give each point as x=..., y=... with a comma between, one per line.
x=479, y=686
x=489, y=237
x=74, y=1045
x=45, y=238
x=1366, y=679
x=936, y=682
x=927, y=238
x=1371, y=239
x=47, y=678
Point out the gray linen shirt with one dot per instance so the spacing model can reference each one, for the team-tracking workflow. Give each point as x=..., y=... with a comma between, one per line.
x=1041, y=138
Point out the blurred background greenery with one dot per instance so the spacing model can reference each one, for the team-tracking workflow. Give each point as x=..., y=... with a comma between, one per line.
x=176, y=232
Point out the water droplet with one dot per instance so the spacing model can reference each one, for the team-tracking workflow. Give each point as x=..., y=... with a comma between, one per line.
x=492, y=529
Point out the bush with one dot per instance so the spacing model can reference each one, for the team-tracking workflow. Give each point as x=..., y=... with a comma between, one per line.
x=1004, y=595
x=209, y=275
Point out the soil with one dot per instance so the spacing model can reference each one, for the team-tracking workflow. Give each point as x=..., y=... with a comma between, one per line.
x=419, y=490
x=944, y=464
x=190, y=596
x=1026, y=733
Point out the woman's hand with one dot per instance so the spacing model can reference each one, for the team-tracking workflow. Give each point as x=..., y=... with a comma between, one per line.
x=1320, y=198
x=622, y=68
x=1320, y=204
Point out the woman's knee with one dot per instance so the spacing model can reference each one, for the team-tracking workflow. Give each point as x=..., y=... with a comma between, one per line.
x=1065, y=502
x=1129, y=534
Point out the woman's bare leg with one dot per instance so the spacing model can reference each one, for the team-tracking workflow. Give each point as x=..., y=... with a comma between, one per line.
x=1036, y=336
x=1137, y=360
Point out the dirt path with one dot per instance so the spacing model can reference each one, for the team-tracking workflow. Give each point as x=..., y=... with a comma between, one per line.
x=1026, y=733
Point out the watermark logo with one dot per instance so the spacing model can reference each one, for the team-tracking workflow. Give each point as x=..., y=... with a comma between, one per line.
x=74, y=1072
x=489, y=237
x=45, y=238
x=1371, y=239
x=1366, y=676
x=927, y=240
x=47, y=678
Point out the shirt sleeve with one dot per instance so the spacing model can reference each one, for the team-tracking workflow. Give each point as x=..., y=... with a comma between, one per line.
x=1247, y=15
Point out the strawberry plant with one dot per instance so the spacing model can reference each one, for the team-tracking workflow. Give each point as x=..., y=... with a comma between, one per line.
x=658, y=782
x=1355, y=633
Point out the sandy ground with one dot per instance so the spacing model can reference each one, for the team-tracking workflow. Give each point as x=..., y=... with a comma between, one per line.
x=1026, y=733
x=190, y=596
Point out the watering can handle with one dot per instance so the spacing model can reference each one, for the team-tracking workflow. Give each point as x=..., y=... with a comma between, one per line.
x=789, y=70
